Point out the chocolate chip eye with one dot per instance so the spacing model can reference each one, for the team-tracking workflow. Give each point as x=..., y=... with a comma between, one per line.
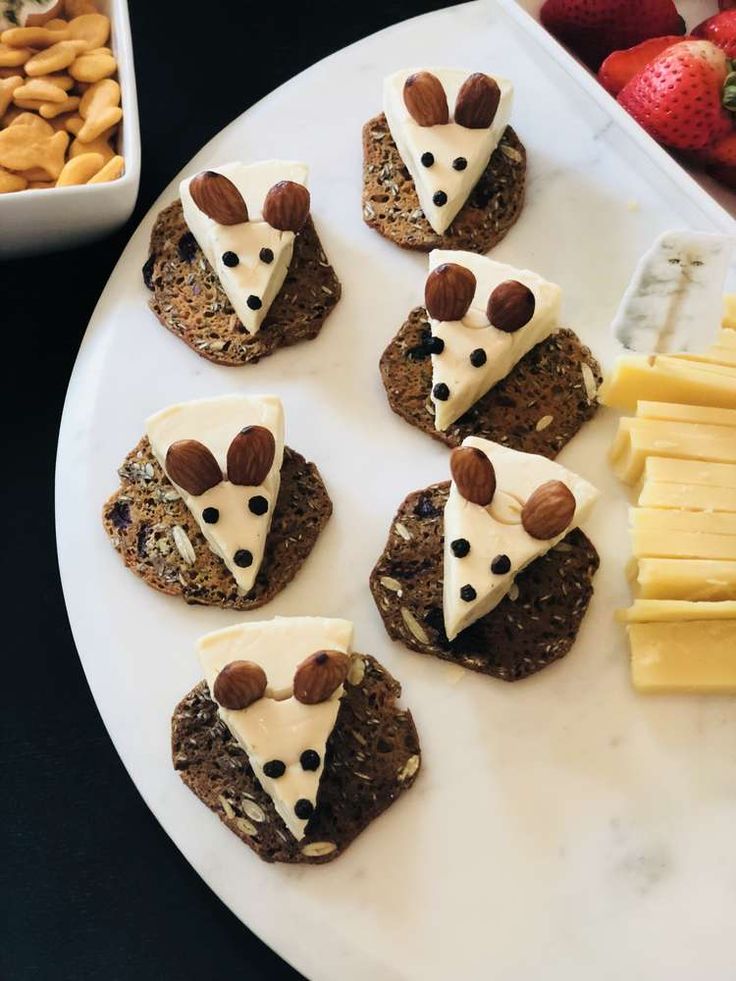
x=459, y=163
x=310, y=759
x=439, y=198
x=254, y=302
x=211, y=516
x=435, y=345
x=467, y=593
x=265, y=255
x=258, y=505
x=478, y=357
x=243, y=558
x=230, y=259
x=460, y=547
x=500, y=565
x=304, y=809
x=441, y=392
x=274, y=769
x=427, y=159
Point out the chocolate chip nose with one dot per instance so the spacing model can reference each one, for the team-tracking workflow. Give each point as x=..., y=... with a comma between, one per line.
x=439, y=198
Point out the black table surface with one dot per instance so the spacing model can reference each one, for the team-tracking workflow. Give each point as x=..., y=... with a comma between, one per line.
x=90, y=885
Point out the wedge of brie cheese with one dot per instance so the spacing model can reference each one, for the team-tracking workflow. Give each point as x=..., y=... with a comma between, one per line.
x=251, y=258
x=486, y=547
x=458, y=154
x=475, y=355
x=281, y=730
x=235, y=519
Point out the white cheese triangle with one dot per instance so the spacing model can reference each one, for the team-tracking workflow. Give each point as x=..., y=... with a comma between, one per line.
x=252, y=276
x=280, y=730
x=452, y=366
x=445, y=142
x=215, y=422
x=497, y=530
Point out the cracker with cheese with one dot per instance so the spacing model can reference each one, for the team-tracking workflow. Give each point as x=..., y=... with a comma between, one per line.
x=236, y=267
x=213, y=506
x=442, y=167
x=294, y=740
x=486, y=356
x=490, y=570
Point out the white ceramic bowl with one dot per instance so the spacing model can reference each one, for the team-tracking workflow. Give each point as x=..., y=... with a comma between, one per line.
x=61, y=217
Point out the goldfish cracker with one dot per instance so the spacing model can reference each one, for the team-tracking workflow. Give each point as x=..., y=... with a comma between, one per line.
x=110, y=172
x=34, y=174
x=41, y=185
x=38, y=125
x=31, y=37
x=64, y=82
x=7, y=91
x=80, y=169
x=74, y=124
x=93, y=29
x=34, y=104
x=21, y=149
x=49, y=110
x=93, y=66
x=53, y=59
x=99, y=145
x=13, y=57
x=11, y=182
x=57, y=24
x=37, y=88
x=10, y=116
x=59, y=122
x=100, y=109
x=75, y=8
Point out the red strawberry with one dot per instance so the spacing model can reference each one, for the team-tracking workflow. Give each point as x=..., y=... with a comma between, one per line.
x=621, y=66
x=595, y=28
x=720, y=160
x=721, y=30
x=677, y=97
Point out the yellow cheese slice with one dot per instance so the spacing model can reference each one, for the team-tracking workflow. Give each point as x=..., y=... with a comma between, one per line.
x=686, y=579
x=714, y=355
x=696, y=656
x=688, y=497
x=693, y=522
x=729, y=311
x=637, y=439
x=677, y=412
x=659, y=469
x=668, y=379
x=667, y=544
x=671, y=610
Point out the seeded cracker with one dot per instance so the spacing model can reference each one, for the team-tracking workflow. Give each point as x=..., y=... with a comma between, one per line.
x=391, y=205
x=189, y=300
x=532, y=626
x=159, y=539
x=373, y=756
x=537, y=408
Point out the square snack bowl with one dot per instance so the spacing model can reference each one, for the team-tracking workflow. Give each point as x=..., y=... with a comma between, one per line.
x=61, y=217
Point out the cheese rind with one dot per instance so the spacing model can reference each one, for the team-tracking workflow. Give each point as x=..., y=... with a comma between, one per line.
x=668, y=379
x=672, y=610
x=497, y=530
x=687, y=497
x=215, y=422
x=452, y=366
x=696, y=656
x=445, y=142
x=251, y=277
x=280, y=730
x=686, y=579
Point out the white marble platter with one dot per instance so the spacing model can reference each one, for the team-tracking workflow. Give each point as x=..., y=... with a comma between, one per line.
x=561, y=828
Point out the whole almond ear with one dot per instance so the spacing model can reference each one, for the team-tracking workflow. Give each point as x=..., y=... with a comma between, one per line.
x=477, y=101
x=218, y=197
x=319, y=675
x=510, y=306
x=192, y=466
x=473, y=474
x=449, y=291
x=250, y=456
x=425, y=99
x=287, y=206
x=549, y=510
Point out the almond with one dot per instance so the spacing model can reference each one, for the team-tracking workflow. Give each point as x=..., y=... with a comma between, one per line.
x=449, y=291
x=250, y=456
x=425, y=99
x=287, y=206
x=317, y=677
x=473, y=474
x=218, y=197
x=192, y=466
x=477, y=101
x=239, y=684
x=549, y=510
x=510, y=306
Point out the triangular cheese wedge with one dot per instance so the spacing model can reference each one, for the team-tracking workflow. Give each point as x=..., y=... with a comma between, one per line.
x=253, y=284
x=466, y=375
x=242, y=514
x=280, y=730
x=446, y=144
x=488, y=533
